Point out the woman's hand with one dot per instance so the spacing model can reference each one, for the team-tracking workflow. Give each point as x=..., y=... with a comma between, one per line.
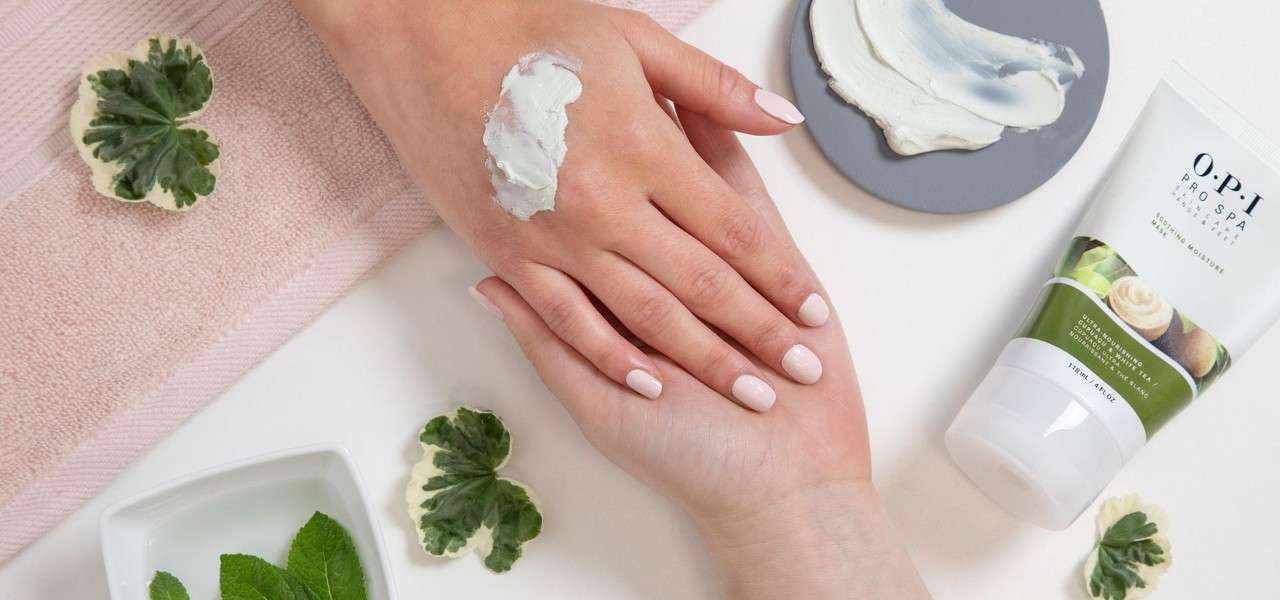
x=784, y=499
x=642, y=224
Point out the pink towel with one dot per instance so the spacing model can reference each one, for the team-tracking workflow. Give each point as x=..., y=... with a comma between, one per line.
x=117, y=321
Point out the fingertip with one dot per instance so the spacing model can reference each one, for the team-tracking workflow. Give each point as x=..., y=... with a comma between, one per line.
x=778, y=107
x=802, y=365
x=814, y=311
x=490, y=286
x=500, y=299
x=485, y=302
x=644, y=383
x=754, y=393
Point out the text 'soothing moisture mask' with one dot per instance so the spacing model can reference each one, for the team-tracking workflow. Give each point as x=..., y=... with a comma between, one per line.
x=1170, y=277
x=524, y=133
x=933, y=81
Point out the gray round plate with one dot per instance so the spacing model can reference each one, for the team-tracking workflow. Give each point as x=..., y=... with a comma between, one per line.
x=958, y=181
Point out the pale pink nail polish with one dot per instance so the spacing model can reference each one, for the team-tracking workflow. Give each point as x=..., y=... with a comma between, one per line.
x=778, y=107
x=802, y=365
x=753, y=393
x=484, y=301
x=644, y=384
x=814, y=312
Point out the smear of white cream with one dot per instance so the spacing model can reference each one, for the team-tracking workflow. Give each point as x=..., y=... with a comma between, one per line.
x=524, y=133
x=934, y=81
x=913, y=120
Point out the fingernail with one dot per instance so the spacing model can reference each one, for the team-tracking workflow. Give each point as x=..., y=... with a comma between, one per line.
x=814, y=311
x=778, y=107
x=484, y=301
x=802, y=364
x=753, y=393
x=644, y=384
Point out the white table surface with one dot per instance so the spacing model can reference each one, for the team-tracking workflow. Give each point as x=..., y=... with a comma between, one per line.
x=927, y=301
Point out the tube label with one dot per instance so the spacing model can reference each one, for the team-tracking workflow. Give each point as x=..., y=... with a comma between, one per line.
x=1127, y=346
x=1173, y=271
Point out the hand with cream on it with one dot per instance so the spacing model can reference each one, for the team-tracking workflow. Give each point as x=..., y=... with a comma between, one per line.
x=784, y=500
x=641, y=224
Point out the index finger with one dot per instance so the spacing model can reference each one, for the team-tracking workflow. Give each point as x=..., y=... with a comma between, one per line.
x=714, y=193
x=722, y=151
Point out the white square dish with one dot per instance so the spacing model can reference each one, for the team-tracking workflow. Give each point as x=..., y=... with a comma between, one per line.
x=254, y=506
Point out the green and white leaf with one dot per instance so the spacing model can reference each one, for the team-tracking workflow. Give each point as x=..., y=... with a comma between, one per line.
x=323, y=557
x=456, y=499
x=246, y=577
x=1132, y=552
x=164, y=586
x=130, y=123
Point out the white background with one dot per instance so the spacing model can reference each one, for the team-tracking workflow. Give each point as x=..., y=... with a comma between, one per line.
x=928, y=301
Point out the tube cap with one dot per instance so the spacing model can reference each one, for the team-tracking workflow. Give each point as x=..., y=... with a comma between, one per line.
x=1033, y=447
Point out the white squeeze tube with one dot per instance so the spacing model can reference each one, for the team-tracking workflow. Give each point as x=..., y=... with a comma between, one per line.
x=1173, y=273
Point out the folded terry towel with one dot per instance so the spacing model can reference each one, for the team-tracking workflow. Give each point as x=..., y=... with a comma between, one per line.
x=118, y=321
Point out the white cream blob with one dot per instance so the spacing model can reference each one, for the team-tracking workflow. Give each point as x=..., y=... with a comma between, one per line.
x=913, y=120
x=934, y=81
x=524, y=133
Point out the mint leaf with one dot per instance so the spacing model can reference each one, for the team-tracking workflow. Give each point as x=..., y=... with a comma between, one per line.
x=456, y=498
x=136, y=124
x=165, y=586
x=324, y=558
x=1124, y=546
x=245, y=577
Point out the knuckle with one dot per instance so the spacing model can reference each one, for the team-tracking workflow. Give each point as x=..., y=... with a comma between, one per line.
x=651, y=315
x=719, y=359
x=642, y=137
x=639, y=19
x=616, y=355
x=562, y=318
x=579, y=184
x=774, y=333
x=708, y=286
x=743, y=235
x=585, y=195
x=793, y=282
x=730, y=84
x=504, y=261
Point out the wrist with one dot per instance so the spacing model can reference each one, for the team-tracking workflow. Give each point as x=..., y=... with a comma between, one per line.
x=832, y=541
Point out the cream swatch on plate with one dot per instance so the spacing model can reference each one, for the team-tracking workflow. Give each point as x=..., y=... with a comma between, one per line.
x=933, y=81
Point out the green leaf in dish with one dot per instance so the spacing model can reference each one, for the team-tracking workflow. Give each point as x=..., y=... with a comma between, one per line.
x=130, y=123
x=245, y=577
x=456, y=499
x=164, y=586
x=324, y=558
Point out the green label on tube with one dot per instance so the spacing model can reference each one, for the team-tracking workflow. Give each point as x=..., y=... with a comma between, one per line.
x=1112, y=321
x=1070, y=320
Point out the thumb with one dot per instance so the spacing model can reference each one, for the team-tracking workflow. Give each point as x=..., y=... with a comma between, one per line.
x=695, y=80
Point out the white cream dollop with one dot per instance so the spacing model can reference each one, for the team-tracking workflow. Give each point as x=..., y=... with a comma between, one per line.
x=524, y=133
x=934, y=81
